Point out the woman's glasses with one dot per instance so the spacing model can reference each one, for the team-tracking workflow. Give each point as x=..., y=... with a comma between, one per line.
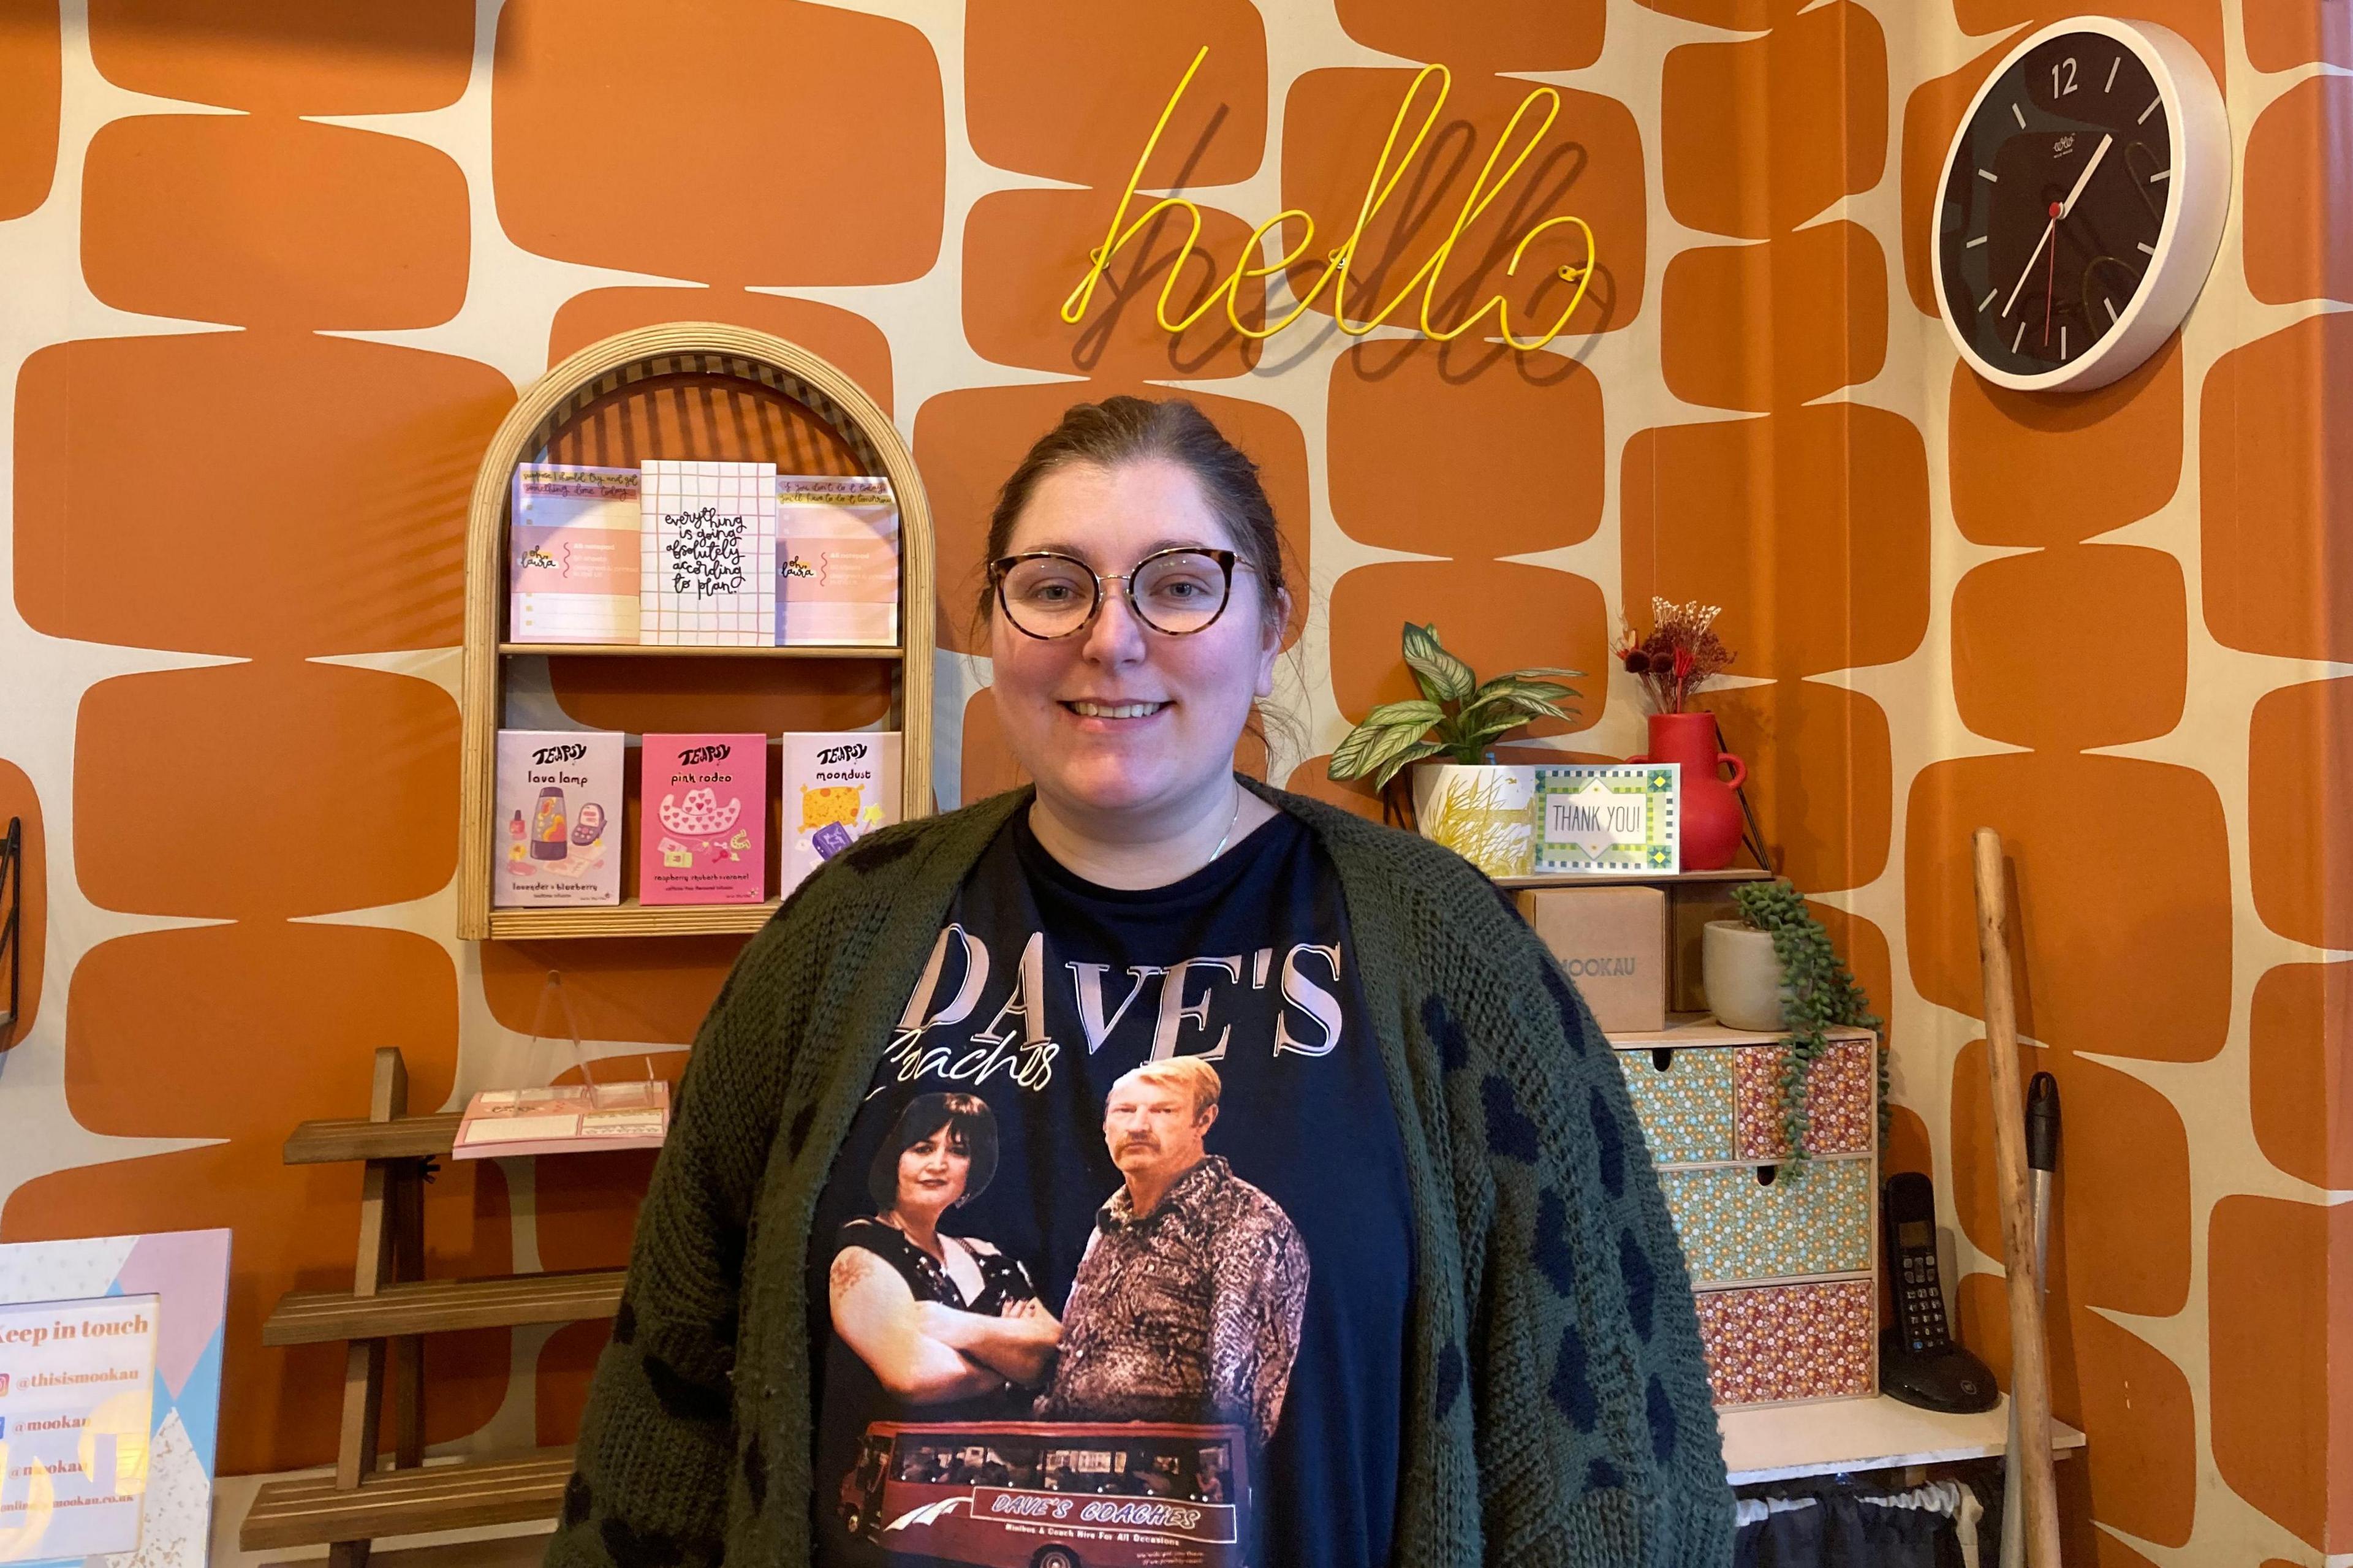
x=1177, y=592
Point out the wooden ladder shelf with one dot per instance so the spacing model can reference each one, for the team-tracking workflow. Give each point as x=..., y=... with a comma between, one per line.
x=382, y=1318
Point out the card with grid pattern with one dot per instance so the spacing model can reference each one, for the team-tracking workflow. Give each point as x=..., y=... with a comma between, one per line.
x=709, y=559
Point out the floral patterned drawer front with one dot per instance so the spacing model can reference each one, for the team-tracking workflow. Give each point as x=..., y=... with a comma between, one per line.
x=1840, y=1093
x=1811, y=1219
x=1686, y=1111
x=1782, y=1342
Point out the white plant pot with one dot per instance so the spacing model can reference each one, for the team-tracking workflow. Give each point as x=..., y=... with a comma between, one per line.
x=1486, y=814
x=1741, y=974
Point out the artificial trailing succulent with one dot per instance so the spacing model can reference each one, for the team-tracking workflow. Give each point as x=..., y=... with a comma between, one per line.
x=1817, y=993
x=1454, y=714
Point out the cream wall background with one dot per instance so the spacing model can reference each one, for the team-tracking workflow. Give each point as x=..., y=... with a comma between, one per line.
x=272, y=272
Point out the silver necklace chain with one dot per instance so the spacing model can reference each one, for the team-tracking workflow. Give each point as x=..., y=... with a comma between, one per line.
x=1229, y=832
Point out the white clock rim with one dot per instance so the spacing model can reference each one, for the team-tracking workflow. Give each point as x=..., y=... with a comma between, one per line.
x=2187, y=241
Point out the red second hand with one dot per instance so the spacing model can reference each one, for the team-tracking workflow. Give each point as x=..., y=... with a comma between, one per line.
x=2050, y=277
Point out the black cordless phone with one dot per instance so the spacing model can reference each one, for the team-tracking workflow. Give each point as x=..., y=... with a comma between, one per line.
x=1918, y=1362
x=1912, y=1272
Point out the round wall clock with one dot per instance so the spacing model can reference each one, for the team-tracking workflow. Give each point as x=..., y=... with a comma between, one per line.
x=2081, y=203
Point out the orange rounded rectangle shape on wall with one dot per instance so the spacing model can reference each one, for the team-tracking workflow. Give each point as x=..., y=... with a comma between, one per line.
x=1590, y=164
x=1495, y=615
x=1069, y=90
x=1809, y=526
x=1775, y=325
x=1025, y=250
x=1758, y=135
x=2283, y=34
x=843, y=339
x=1487, y=36
x=231, y=999
x=2123, y=1221
x=32, y=64
x=2296, y=1071
x=734, y=140
x=2023, y=642
x=1820, y=777
x=2030, y=468
x=2299, y=831
x=277, y=222
x=2299, y=236
x=2273, y=491
x=2124, y=873
x=276, y=789
x=289, y=56
x=247, y=492
x=1505, y=462
x=2282, y=1392
x=654, y=989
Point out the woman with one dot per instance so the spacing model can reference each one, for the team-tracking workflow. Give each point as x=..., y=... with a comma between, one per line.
x=1421, y=1150
x=936, y=1318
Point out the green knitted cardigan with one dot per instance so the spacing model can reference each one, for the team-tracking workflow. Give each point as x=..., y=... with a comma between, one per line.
x=1558, y=1406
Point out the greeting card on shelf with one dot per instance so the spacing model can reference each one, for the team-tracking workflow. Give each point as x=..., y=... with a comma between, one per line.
x=1608, y=819
x=708, y=554
x=839, y=786
x=559, y=795
x=836, y=560
x=573, y=566
x=703, y=838
x=572, y=1117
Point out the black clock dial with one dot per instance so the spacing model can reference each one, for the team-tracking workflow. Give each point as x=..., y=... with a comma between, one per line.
x=2055, y=202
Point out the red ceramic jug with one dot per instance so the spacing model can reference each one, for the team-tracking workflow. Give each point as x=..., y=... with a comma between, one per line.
x=1710, y=811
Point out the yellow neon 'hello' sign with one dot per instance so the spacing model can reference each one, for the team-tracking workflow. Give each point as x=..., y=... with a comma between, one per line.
x=1336, y=264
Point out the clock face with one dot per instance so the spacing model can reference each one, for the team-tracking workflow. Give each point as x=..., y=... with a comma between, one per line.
x=2055, y=203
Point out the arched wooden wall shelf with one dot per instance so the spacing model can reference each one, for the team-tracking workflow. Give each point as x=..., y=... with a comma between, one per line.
x=714, y=360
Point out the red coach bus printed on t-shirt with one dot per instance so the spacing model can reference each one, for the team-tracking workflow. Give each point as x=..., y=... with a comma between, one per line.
x=1052, y=1495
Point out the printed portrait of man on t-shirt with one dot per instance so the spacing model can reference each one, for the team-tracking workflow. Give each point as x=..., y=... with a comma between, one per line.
x=1188, y=1303
x=1112, y=1264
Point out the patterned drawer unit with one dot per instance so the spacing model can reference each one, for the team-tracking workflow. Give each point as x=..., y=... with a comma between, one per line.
x=1775, y=1343
x=1686, y=1108
x=1810, y=1219
x=1840, y=1089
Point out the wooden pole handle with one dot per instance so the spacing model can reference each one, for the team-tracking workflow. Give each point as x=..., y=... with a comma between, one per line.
x=2030, y=1366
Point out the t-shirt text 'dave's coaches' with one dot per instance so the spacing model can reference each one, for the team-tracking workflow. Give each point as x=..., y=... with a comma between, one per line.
x=1113, y=1266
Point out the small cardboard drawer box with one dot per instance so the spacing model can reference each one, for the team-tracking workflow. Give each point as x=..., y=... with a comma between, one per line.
x=1613, y=943
x=1711, y=1104
x=1741, y=1225
x=1780, y=1345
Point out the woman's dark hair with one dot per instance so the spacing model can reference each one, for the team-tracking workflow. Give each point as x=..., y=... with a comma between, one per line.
x=969, y=1122
x=1127, y=429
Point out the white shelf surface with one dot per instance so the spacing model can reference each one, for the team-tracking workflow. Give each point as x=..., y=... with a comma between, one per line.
x=1779, y=1442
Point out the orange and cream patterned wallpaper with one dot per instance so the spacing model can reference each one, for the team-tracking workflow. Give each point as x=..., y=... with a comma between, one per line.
x=274, y=269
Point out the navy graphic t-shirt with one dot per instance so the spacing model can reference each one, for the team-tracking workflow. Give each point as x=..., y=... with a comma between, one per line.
x=1116, y=1260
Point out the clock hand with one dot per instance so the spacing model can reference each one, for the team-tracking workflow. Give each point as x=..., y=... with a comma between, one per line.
x=2085, y=177
x=2065, y=208
x=2051, y=288
x=2029, y=268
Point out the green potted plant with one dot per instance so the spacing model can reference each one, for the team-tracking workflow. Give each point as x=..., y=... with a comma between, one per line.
x=1774, y=969
x=1482, y=810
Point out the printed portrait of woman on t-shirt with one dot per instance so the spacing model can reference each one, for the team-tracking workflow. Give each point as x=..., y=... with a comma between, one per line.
x=937, y=1319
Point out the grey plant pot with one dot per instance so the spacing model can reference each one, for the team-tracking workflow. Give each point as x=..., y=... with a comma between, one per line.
x=1742, y=976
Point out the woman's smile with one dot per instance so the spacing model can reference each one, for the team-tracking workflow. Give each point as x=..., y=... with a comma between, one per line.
x=1103, y=717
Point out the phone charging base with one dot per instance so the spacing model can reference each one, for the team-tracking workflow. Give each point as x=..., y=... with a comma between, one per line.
x=1946, y=1378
